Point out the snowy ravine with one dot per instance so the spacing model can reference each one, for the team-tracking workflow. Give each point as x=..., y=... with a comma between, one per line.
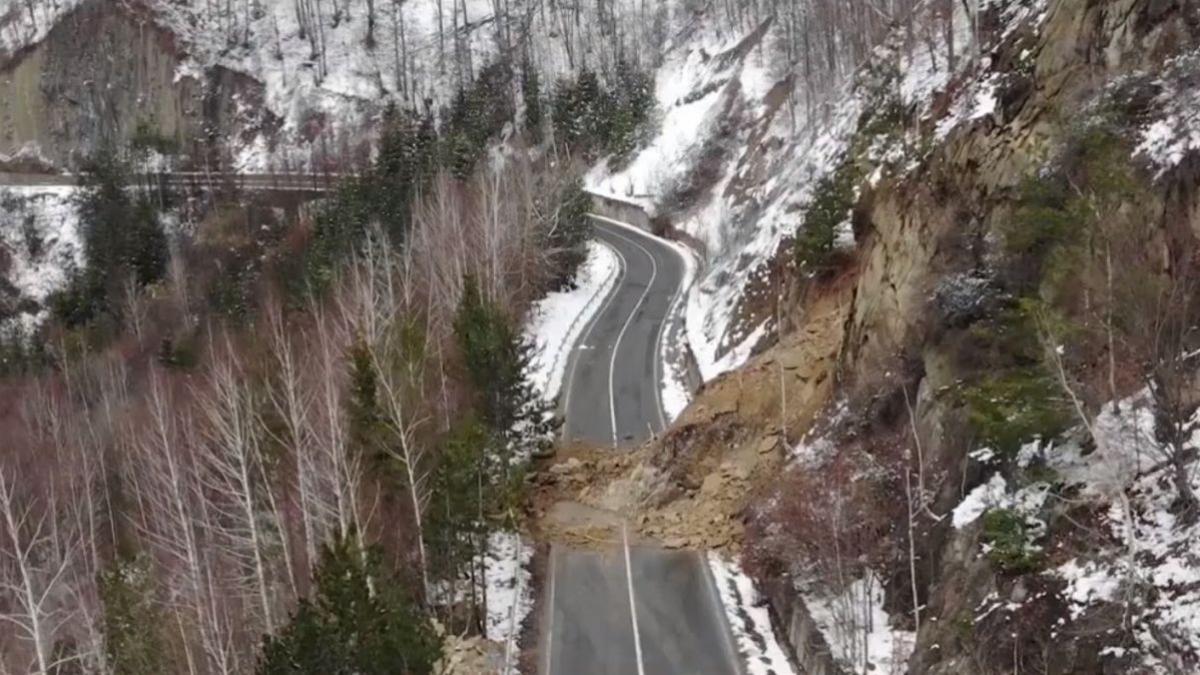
x=555, y=322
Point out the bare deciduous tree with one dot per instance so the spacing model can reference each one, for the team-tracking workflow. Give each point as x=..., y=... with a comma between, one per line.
x=37, y=558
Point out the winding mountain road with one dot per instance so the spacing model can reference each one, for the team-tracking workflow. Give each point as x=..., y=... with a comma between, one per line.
x=630, y=609
x=613, y=387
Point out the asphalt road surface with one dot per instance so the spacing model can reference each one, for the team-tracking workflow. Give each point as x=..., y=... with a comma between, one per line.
x=634, y=610
x=613, y=388
x=629, y=610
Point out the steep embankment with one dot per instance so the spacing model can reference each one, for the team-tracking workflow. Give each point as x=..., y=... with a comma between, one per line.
x=959, y=494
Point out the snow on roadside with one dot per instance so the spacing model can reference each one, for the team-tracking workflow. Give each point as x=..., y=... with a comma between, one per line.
x=556, y=321
x=676, y=392
x=509, y=592
x=749, y=620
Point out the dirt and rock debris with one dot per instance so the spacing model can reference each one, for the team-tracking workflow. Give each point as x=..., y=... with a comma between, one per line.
x=690, y=487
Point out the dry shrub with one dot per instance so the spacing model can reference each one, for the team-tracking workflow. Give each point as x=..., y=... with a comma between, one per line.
x=830, y=524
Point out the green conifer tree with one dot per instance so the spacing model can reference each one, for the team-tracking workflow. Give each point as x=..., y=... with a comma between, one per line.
x=132, y=639
x=359, y=622
x=569, y=231
x=531, y=95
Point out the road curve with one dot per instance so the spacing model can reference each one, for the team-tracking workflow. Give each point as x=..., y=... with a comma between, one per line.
x=621, y=609
x=614, y=380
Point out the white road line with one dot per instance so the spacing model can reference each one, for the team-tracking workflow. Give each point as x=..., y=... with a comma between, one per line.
x=637, y=637
x=550, y=621
x=612, y=363
x=674, y=307
x=569, y=385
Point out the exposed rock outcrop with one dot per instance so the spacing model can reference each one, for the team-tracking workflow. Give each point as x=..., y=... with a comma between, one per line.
x=107, y=72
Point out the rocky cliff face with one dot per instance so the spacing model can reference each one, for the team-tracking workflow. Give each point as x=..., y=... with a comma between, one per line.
x=894, y=367
x=106, y=73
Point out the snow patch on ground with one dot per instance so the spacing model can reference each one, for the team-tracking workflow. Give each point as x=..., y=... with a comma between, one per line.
x=859, y=631
x=729, y=117
x=1152, y=566
x=25, y=23
x=555, y=322
x=748, y=619
x=509, y=592
x=39, y=236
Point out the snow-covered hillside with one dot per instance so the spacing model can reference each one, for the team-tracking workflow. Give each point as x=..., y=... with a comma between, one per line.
x=39, y=244
x=329, y=69
x=737, y=159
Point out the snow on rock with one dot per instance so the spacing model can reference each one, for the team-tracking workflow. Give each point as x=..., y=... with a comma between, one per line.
x=987, y=496
x=977, y=102
x=859, y=631
x=25, y=23
x=1175, y=133
x=509, y=592
x=1125, y=446
x=1149, y=562
x=556, y=322
x=749, y=620
x=1087, y=583
x=40, y=242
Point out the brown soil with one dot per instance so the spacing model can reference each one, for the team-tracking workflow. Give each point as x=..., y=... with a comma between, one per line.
x=690, y=487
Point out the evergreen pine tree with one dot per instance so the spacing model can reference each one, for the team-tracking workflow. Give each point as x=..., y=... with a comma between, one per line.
x=406, y=160
x=497, y=359
x=532, y=97
x=632, y=102
x=359, y=622
x=569, y=230
x=132, y=639
x=461, y=497
x=366, y=421
x=477, y=114
x=122, y=238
